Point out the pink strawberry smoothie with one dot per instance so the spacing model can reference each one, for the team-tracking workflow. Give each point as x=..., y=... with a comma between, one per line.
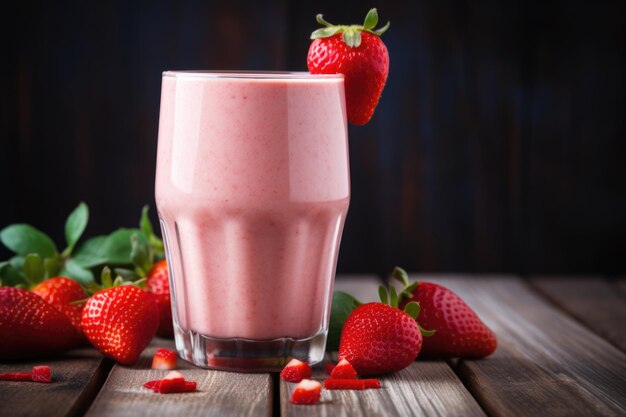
x=252, y=189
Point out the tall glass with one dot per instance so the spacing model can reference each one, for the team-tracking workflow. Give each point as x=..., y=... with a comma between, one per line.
x=252, y=190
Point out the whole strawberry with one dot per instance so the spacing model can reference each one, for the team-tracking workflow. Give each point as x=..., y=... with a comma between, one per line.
x=30, y=327
x=61, y=292
x=120, y=322
x=378, y=338
x=159, y=285
x=357, y=52
x=459, y=332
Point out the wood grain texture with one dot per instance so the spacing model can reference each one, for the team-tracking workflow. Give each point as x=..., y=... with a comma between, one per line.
x=547, y=364
x=422, y=389
x=76, y=378
x=593, y=301
x=219, y=393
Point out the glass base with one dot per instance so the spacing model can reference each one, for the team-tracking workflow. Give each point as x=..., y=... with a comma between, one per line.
x=245, y=355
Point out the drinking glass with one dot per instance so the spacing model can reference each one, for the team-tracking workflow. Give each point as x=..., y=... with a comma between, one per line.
x=252, y=190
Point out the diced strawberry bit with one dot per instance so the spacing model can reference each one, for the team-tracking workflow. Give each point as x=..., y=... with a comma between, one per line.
x=153, y=385
x=328, y=368
x=371, y=383
x=174, y=382
x=343, y=370
x=38, y=374
x=16, y=376
x=42, y=374
x=306, y=392
x=164, y=359
x=296, y=371
x=332, y=383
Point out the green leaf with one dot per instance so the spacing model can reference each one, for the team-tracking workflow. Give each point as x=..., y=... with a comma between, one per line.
x=105, y=277
x=17, y=262
x=371, y=20
x=325, y=32
x=342, y=305
x=79, y=273
x=91, y=252
x=426, y=333
x=24, y=239
x=401, y=275
x=114, y=249
x=33, y=268
x=407, y=292
x=51, y=266
x=144, y=222
x=352, y=38
x=75, y=226
x=117, y=248
x=412, y=309
x=382, y=293
x=382, y=30
x=11, y=276
x=319, y=18
x=393, y=297
x=140, y=254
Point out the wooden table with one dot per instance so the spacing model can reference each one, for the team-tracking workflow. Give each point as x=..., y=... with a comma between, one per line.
x=562, y=344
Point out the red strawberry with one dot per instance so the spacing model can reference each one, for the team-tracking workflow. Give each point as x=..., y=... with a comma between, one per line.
x=458, y=330
x=164, y=359
x=296, y=371
x=159, y=285
x=343, y=370
x=16, y=376
x=378, y=338
x=357, y=52
x=328, y=368
x=371, y=383
x=30, y=327
x=153, y=385
x=60, y=292
x=120, y=322
x=306, y=392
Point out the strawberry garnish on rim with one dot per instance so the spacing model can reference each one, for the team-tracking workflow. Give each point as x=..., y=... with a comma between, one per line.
x=357, y=52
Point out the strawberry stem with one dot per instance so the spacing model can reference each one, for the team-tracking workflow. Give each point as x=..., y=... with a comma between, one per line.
x=351, y=34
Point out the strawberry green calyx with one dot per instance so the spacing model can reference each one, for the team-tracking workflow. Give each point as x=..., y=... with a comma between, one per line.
x=351, y=34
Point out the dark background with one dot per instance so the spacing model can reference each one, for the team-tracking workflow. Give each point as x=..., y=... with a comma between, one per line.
x=498, y=144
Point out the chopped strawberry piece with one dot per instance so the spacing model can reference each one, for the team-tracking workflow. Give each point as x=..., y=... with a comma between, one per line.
x=164, y=359
x=190, y=386
x=371, y=383
x=296, y=371
x=16, y=376
x=41, y=374
x=356, y=384
x=343, y=370
x=153, y=385
x=306, y=392
x=328, y=368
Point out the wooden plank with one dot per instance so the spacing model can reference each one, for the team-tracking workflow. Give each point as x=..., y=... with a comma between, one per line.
x=593, y=301
x=76, y=378
x=546, y=364
x=423, y=389
x=219, y=393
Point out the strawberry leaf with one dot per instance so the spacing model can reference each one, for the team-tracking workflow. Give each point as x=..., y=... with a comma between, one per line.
x=144, y=222
x=382, y=293
x=33, y=268
x=325, y=32
x=51, y=266
x=371, y=19
x=412, y=309
x=140, y=255
x=75, y=226
x=342, y=305
x=11, y=276
x=91, y=252
x=24, y=239
x=75, y=271
x=352, y=38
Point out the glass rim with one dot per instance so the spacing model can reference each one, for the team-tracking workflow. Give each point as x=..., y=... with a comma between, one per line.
x=251, y=75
